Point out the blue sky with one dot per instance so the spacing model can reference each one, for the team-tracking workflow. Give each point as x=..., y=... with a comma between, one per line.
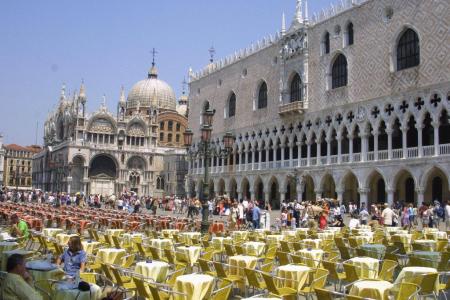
x=108, y=42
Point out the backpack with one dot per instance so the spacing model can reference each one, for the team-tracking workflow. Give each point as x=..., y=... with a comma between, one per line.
x=440, y=212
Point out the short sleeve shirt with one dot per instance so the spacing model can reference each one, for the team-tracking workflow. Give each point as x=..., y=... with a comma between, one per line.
x=23, y=227
x=73, y=261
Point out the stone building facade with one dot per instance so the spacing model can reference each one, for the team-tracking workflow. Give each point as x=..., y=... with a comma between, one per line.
x=17, y=166
x=106, y=153
x=351, y=104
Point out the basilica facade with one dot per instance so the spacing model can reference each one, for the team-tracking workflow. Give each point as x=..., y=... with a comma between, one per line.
x=352, y=104
x=108, y=153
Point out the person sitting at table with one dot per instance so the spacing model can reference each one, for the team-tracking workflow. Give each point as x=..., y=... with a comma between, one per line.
x=74, y=258
x=18, y=283
x=354, y=221
x=19, y=228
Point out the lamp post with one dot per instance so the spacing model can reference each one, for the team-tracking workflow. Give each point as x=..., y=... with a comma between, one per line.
x=205, y=150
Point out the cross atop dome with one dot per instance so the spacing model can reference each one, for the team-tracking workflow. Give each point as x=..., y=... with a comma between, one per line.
x=153, y=73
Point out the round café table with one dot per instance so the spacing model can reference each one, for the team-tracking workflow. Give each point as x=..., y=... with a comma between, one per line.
x=90, y=246
x=293, y=276
x=407, y=274
x=373, y=289
x=161, y=244
x=219, y=241
x=312, y=243
x=311, y=257
x=429, y=258
x=238, y=263
x=193, y=286
x=430, y=245
x=63, y=239
x=5, y=236
x=376, y=251
x=188, y=254
x=273, y=239
x=254, y=248
x=169, y=233
x=110, y=255
x=7, y=254
x=7, y=246
x=366, y=267
x=51, y=232
x=156, y=270
x=239, y=235
x=188, y=237
x=326, y=235
x=114, y=232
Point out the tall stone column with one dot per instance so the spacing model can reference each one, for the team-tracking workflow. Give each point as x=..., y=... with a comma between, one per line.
x=389, y=134
x=282, y=197
x=419, y=128
x=328, y=140
x=350, y=148
x=266, y=197
x=318, y=194
x=340, y=195
x=299, y=151
x=420, y=196
x=375, y=145
x=300, y=188
x=253, y=159
x=274, y=154
x=308, y=157
x=339, y=140
x=291, y=155
x=390, y=196
x=282, y=154
x=363, y=135
x=363, y=196
x=404, y=141
x=436, y=137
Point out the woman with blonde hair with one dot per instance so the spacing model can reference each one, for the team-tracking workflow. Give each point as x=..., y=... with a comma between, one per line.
x=74, y=257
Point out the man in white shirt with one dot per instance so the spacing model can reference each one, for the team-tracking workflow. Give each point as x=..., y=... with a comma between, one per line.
x=447, y=214
x=388, y=215
x=363, y=214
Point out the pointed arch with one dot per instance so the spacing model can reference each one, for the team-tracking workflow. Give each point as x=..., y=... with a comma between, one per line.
x=296, y=89
x=408, y=49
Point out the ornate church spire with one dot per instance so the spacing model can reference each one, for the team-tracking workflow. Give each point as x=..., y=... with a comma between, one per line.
x=82, y=95
x=122, y=95
x=283, y=24
x=153, y=73
x=63, y=93
x=299, y=12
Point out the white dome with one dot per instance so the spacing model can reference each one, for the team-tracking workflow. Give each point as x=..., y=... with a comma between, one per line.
x=152, y=92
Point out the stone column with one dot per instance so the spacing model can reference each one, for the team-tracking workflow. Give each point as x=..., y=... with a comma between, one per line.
x=350, y=148
x=375, y=145
x=299, y=155
x=419, y=128
x=340, y=195
x=363, y=135
x=318, y=152
x=253, y=158
x=267, y=157
x=282, y=197
x=436, y=137
x=282, y=154
x=266, y=197
x=404, y=141
x=363, y=197
x=274, y=151
x=389, y=134
x=390, y=196
x=308, y=157
x=300, y=188
x=318, y=194
x=420, y=196
x=339, y=140
x=328, y=140
x=260, y=158
x=291, y=155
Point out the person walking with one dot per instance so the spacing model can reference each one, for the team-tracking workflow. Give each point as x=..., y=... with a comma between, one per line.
x=256, y=216
x=388, y=215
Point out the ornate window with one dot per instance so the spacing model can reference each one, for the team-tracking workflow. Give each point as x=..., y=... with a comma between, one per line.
x=178, y=126
x=296, y=89
x=350, y=34
x=262, y=96
x=170, y=125
x=339, y=72
x=232, y=105
x=161, y=125
x=161, y=136
x=408, y=50
x=169, y=138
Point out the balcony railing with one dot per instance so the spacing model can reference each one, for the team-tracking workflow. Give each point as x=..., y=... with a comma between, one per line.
x=411, y=153
x=293, y=108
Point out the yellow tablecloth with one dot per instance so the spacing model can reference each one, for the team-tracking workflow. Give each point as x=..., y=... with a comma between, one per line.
x=293, y=276
x=273, y=239
x=90, y=246
x=366, y=267
x=187, y=237
x=439, y=235
x=55, y=274
x=363, y=239
x=51, y=232
x=335, y=229
x=188, y=254
x=405, y=238
x=430, y=244
x=195, y=286
x=311, y=257
x=408, y=274
x=429, y=258
x=430, y=230
x=7, y=246
x=312, y=243
x=218, y=242
x=114, y=232
x=7, y=254
x=254, y=248
x=110, y=255
x=392, y=229
x=161, y=244
x=289, y=234
x=169, y=232
x=326, y=235
x=156, y=270
x=371, y=289
x=239, y=262
x=62, y=292
x=131, y=238
x=63, y=239
x=239, y=235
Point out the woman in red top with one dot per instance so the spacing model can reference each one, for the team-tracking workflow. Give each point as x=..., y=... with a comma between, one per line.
x=322, y=220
